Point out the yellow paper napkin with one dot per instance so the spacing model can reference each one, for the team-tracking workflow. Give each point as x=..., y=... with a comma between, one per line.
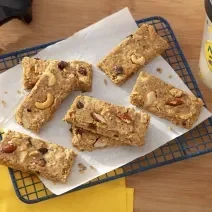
x=130, y=199
x=107, y=197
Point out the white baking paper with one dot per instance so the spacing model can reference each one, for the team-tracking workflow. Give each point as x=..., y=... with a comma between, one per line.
x=91, y=45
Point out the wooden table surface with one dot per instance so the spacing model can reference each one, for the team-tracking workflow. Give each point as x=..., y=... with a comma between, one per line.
x=182, y=186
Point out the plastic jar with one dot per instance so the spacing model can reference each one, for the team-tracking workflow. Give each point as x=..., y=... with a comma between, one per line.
x=205, y=62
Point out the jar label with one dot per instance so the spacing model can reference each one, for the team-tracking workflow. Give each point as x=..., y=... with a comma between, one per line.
x=208, y=53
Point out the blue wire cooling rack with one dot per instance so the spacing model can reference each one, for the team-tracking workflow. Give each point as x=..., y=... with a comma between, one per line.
x=198, y=141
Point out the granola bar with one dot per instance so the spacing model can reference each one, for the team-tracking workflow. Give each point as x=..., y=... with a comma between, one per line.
x=27, y=154
x=33, y=68
x=110, y=120
x=132, y=54
x=85, y=140
x=55, y=84
x=166, y=101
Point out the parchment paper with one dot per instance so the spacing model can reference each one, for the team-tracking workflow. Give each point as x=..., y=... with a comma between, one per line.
x=91, y=45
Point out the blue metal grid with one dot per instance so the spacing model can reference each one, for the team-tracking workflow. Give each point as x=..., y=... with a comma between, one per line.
x=198, y=141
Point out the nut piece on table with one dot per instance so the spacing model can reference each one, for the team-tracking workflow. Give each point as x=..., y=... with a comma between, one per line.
x=52, y=78
x=139, y=61
x=48, y=103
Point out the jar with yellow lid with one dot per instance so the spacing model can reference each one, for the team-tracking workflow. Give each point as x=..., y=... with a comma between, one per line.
x=205, y=62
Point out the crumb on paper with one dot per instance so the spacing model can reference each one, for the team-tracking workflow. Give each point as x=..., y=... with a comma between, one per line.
x=5, y=92
x=92, y=167
x=105, y=81
x=3, y=103
x=21, y=92
x=170, y=76
x=159, y=70
x=170, y=128
x=82, y=168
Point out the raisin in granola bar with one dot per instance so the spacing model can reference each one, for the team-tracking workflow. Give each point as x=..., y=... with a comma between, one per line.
x=109, y=120
x=27, y=154
x=132, y=54
x=166, y=101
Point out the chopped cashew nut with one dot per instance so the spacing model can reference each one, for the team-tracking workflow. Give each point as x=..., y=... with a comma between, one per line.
x=139, y=61
x=151, y=97
x=44, y=105
x=52, y=78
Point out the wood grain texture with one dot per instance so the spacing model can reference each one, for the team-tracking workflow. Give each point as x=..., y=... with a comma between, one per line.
x=182, y=186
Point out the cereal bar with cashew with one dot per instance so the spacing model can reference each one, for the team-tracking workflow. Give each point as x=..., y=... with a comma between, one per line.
x=166, y=101
x=55, y=84
x=132, y=54
x=33, y=68
x=27, y=154
x=85, y=140
x=109, y=120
